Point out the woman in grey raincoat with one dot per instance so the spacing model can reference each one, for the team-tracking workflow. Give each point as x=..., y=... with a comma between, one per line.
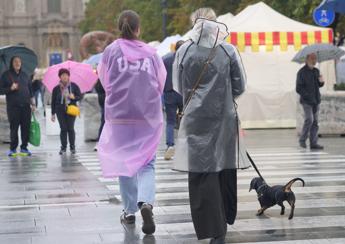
x=208, y=142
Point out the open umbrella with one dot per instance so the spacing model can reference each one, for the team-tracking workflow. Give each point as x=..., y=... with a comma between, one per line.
x=94, y=59
x=28, y=57
x=337, y=6
x=81, y=74
x=324, y=52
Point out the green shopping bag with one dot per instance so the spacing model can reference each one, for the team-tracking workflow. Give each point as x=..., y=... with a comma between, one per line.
x=35, y=132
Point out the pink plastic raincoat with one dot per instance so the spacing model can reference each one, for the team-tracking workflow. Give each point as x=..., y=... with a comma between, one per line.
x=133, y=77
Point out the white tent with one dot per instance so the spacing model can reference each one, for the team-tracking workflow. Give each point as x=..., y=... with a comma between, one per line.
x=166, y=45
x=268, y=41
x=154, y=44
x=226, y=18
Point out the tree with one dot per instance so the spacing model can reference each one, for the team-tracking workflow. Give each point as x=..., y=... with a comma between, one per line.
x=102, y=15
x=180, y=13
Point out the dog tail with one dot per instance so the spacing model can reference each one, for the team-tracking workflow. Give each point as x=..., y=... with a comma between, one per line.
x=287, y=187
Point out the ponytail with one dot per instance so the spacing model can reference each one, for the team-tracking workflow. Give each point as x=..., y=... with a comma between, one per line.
x=128, y=24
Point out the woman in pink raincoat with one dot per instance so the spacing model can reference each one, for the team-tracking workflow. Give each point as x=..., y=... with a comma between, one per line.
x=133, y=76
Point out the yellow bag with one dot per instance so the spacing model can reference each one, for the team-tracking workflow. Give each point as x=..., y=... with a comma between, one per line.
x=73, y=110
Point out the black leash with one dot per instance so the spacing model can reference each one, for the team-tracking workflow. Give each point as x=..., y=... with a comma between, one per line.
x=256, y=168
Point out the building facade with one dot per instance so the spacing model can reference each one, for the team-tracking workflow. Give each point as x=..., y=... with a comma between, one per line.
x=49, y=27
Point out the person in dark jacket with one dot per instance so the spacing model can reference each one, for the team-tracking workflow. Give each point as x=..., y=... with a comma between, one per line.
x=38, y=89
x=16, y=85
x=64, y=94
x=101, y=100
x=308, y=86
x=172, y=102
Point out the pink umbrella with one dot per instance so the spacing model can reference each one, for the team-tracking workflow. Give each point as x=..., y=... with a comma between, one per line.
x=81, y=74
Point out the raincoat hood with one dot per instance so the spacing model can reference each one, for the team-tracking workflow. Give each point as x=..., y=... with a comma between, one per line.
x=208, y=33
x=135, y=50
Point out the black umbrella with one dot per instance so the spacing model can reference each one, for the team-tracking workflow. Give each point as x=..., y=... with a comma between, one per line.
x=28, y=57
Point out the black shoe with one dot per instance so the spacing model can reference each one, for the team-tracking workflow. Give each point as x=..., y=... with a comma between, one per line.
x=62, y=151
x=302, y=144
x=149, y=226
x=218, y=240
x=316, y=147
x=73, y=151
x=127, y=219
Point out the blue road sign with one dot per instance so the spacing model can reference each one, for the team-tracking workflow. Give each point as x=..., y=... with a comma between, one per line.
x=55, y=58
x=323, y=17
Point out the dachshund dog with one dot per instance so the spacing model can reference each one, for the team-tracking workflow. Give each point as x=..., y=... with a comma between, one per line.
x=269, y=196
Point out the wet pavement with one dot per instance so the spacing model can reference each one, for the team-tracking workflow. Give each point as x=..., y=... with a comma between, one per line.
x=47, y=198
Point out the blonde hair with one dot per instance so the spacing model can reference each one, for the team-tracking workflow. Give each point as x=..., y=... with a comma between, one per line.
x=206, y=13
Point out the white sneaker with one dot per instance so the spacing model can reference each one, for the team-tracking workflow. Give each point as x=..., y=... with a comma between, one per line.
x=169, y=153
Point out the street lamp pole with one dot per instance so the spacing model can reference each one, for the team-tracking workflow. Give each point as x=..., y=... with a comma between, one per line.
x=164, y=4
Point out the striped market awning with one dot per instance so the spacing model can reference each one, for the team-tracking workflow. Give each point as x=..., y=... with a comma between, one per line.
x=282, y=39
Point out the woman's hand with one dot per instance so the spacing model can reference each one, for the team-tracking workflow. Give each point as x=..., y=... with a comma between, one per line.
x=321, y=79
x=71, y=96
x=53, y=118
x=14, y=87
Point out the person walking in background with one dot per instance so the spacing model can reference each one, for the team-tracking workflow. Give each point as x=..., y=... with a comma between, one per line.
x=64, y=94
x=133, y=76
x=208, y=72
x=16, y=85
x=308, y=86
x=172, y=103
x=38, y=90
x=101, y=100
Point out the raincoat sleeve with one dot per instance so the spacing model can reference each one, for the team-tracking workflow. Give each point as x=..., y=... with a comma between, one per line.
x=176, y=75
x=161, y=72
x=102, y=67
x=237, y=73
x=101, y=71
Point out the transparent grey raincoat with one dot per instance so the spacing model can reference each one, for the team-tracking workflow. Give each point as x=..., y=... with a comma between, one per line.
x=208, y=136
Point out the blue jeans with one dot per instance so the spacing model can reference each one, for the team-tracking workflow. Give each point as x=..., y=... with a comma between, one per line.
x=170, y=128
x=140, y=188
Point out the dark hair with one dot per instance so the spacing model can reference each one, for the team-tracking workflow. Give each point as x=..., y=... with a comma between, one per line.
x=178, y=45
x=128, y=24
x=11, y=62
x=64, y=71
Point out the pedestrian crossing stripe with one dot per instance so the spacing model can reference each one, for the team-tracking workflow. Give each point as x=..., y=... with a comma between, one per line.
x=320, y=205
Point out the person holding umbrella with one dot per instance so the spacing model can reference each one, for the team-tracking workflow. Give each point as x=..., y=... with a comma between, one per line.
x=16, y=85
x=308, y=83
x=64, y=94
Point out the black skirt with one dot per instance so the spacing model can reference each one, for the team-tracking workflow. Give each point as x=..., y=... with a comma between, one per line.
x=213, y=202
